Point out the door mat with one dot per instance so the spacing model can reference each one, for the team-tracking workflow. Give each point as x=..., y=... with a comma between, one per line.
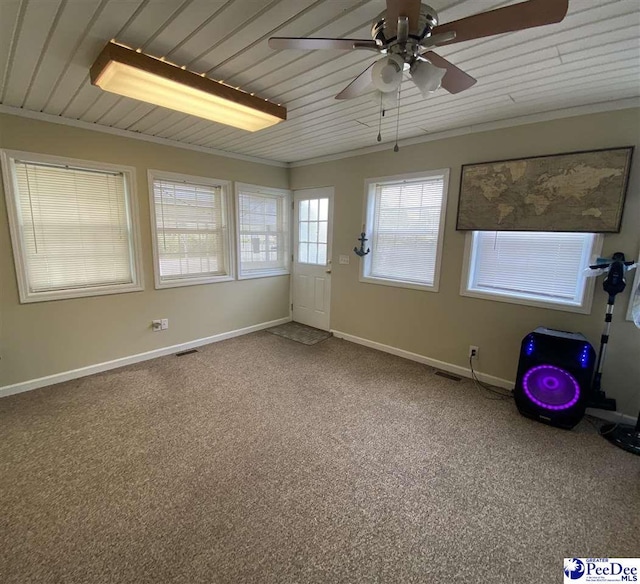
x=300, y=333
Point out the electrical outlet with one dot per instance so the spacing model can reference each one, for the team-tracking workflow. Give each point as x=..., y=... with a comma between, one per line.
x=156, y=325
x=165, y=324
x=473, y=352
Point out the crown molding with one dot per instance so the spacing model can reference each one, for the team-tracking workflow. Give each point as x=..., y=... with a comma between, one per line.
x=44, y=117
x=582, y=110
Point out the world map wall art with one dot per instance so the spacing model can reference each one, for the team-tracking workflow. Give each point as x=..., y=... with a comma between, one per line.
x=578, y=191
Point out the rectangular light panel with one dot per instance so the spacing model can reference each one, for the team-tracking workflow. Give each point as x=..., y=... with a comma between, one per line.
x=126, y=72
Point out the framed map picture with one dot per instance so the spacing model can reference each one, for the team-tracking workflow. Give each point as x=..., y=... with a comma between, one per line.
x=578, y=191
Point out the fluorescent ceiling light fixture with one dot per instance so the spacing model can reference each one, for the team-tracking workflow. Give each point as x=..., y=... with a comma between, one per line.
x=126, y=72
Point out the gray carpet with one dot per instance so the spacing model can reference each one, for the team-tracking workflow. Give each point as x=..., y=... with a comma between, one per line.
x=300, y=333
x=258, y=460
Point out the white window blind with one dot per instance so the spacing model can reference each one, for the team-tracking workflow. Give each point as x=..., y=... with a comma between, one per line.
x=191, y=231
x=403, y=226
x=539, y=266
x=263, y=231
x=75, y=227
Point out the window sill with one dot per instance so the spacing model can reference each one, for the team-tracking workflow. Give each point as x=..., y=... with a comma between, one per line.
x=30, y=297
x=399, y=284
x=178, y=283
x=263, y=274
x=584, y=308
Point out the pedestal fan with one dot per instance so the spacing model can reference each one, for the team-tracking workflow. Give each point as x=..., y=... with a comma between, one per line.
x=622, y=435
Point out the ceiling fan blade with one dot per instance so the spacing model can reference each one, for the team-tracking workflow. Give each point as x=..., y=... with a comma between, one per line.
x=455, y=79
x=435, y=40
x=527, y=14
x=396, y=8
x=313, y=44
x=361, y=84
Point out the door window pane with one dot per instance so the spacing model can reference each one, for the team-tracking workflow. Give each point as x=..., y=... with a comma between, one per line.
x=313, y=210
x=313, y=232
x=304, y=210
x=304, y=231
x=303, y=254
x=313, y=253
x=322, y=232
x=322, y=254
x=324, y=210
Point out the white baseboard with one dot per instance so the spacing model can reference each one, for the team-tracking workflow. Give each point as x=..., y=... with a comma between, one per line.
x=455, y=369
x=121, y=362
x=609, y=416
x=466, y=372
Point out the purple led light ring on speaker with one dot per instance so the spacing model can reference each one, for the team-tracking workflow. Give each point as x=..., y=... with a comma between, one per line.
x=551, y=388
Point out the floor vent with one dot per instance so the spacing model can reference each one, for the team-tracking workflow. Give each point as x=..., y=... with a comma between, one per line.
x=448, y=375
x=188, y=352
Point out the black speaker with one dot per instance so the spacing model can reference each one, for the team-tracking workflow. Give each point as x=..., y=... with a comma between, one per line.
x=554, y=376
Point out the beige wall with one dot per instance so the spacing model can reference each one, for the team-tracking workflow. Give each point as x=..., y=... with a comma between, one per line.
x=44, y=338
x=442, y=325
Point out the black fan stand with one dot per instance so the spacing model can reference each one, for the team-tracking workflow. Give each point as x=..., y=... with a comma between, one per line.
x=624, y=436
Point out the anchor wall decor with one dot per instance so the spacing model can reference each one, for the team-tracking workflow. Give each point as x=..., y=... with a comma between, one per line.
x=361, y=251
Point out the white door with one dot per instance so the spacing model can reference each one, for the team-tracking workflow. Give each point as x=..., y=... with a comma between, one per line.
x=312, y=214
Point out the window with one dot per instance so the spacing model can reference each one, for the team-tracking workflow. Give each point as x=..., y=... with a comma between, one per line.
x=263, y=231
x=73, y=227
x=405, y=225
x=540, y=269
x=313, y=230
x=190, y=222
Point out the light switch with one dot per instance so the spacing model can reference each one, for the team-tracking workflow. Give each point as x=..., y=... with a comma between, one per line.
x=344, y=259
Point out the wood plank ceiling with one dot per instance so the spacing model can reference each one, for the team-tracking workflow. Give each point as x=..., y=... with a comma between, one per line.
x=47, y=47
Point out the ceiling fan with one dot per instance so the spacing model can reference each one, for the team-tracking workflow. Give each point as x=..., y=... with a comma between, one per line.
x=407, y=31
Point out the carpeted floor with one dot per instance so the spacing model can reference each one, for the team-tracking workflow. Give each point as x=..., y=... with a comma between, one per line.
x=260, y=460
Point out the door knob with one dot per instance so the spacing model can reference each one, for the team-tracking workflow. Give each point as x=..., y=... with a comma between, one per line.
x=327, y=271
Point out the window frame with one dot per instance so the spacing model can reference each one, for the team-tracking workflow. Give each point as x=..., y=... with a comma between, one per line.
x=634, y=286
x=8, y=158
x=228, y=215
x=587, y=294
x=287, y=197
x=369, y=198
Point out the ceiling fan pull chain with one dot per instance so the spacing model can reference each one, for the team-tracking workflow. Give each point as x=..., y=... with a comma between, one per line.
x=396, y=148
x=380, y=120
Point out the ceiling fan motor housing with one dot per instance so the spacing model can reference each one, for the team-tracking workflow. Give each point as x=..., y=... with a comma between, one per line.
x=427, y=22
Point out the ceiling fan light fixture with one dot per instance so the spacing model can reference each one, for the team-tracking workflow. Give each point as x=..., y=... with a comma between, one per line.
x=124, y=71
x=427, y=77
x=387, y=73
